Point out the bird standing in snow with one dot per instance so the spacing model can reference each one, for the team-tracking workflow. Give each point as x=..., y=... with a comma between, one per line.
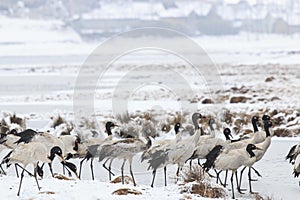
x=31, y=153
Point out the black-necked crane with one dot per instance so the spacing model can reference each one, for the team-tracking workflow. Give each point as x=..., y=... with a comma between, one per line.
x=31, y=153
x=92, y=147
x=124, y=149
x=257, y=137
x=206, y=144
x=158, y=151
x=294, y=158
x=230, y=160
x=293, y=153
x=47, y=139
x=177, y=152
x=296, y=171
x=258, y=154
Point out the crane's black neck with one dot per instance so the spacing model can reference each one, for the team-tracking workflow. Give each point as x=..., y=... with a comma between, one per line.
x=249, y=149
x=108, y=127
x=149, y=143
x=195, y=118
x=210, y=123
x=254, y=124
x=176, y=128
x=227, y=133
x=267, y=125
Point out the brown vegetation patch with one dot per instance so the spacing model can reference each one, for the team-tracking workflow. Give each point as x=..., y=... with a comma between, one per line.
x=127, y=180
x=126, y=191
x=207, y=101
x=239, y=99
x=46, y=192
x=198, y=182
x=62, y=177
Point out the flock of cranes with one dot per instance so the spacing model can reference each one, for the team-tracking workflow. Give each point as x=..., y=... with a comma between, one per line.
x=31, y=147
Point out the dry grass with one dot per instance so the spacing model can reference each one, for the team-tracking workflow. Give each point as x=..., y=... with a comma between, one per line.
x=127, y=180
x=62, y=177
x=126, y=191
x=18, y=120
x=46, y=192
x=259, y=197
x=58, y=121
x=198, y=182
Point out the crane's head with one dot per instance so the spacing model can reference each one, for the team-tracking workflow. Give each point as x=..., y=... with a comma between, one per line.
x=266, y=118
x=40, y=171
x=227, y=133
x=109, y=126
x=177, y=127
x=56, y=151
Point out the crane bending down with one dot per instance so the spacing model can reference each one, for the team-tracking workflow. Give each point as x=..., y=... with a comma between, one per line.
x=31, y=153
x=124, y=149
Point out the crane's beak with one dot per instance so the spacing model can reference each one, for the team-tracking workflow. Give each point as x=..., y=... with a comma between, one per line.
x=259, y=148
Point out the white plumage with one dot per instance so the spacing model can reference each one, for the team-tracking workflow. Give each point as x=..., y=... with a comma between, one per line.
x=31, y=153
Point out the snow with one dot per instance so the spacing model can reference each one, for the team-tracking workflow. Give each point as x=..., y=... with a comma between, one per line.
x=276, y=181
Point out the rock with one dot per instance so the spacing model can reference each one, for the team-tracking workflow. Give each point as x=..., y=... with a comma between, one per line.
x=269, y=79
x=275, y=98
x=207, y=101
x=239, y=99
x=126, y=191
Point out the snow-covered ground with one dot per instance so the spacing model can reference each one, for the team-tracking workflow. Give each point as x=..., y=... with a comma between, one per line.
x=39, y=67
x=276, y=181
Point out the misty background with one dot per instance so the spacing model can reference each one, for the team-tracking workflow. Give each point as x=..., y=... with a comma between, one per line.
x=96, y=19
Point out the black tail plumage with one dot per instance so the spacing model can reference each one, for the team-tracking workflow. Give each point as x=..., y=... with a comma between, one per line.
x=291, y=154
x=296, y=174
x=211, y=157
x=157, y=159
x=6, y=159
x=26, y=136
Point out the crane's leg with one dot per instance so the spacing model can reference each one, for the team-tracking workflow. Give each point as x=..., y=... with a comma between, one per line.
x=232, y=188
x=131, y=173
x=258, y=174
x=80, y=166
x=107, y=168
x=165, y=172
x=225, y=181
x=64, y=171
x=122, y=171
x=17, y=171
x=218, y=176
x=51, y=170
x=3, y=172
x=249, y=178
x=17, y=165
x=22, y=175
x=178, y=169
x=237, y=184
x=153, y=174
x=241, y=176
x=92, y=170
x=35, y=177
x=191, y=162
x=199, y=162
